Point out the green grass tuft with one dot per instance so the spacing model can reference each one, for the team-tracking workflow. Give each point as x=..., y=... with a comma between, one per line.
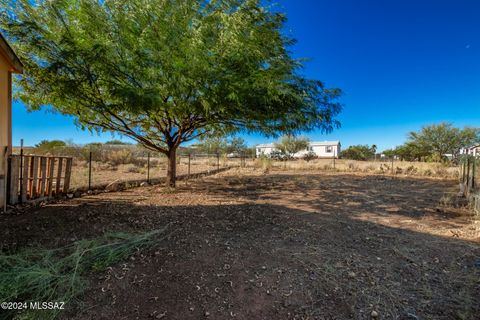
x=59, y=274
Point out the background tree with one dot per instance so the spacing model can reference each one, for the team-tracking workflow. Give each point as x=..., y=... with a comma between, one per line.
x=49, y=146
x=164, y=72
x=433, y=142
x=117, y=142
x=359, y=152
x=290, y=144
x=212, y=144
x=237, y=145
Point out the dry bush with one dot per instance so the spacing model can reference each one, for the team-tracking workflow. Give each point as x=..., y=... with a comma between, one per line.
x=116, y=157
x=131, y=168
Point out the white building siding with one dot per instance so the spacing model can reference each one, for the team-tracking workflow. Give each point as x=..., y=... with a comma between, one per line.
x=325, y=149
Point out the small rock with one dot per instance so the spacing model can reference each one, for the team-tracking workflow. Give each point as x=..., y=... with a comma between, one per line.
x=113, y=186
x=70, y=195
x=144, y=184
x=207, y=313
x=352, y=274
x=374, y=314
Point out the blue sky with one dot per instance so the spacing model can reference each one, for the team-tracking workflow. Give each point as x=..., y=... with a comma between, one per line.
x=401, y=64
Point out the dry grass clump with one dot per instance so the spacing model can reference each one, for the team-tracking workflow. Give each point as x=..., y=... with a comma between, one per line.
x=59, y=274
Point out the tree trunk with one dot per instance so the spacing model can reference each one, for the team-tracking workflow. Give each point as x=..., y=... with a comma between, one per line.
x=172, y=168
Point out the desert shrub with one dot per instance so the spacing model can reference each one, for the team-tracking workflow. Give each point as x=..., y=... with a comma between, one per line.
x=427, y=172
x=49, y=146
x=411, y=170
x=370, y=168
x=101, y=166
x=309, y=156
x=447, y=200
x=265, y=163
x=131, y=168
x=116, y=157
x=352, y=166
x=278, y=155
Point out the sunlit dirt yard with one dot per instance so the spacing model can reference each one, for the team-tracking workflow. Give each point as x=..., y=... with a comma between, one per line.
x=245, y=244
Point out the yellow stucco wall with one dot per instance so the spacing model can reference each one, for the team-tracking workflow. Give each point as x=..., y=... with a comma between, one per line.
x=5, y=121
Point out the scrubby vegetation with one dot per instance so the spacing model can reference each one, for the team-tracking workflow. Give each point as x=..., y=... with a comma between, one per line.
x=60, y=274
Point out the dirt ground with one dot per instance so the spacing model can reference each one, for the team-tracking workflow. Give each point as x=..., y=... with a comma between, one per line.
x=283, y=245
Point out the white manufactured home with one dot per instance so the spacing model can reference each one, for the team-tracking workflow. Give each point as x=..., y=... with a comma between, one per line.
x=472, y=150
x=323, y=149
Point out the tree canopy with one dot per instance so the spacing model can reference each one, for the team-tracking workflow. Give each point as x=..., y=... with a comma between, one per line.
x=290, y=144
x=359, y=152
x=434, y=142
x=165, y=72
x=50, y=145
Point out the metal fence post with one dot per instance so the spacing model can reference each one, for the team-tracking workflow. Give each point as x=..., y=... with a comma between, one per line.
x=474, y=171
x=148, y=167
x=218, y=161
x=393, y=172
x=468, y=174
x=333, y=162
x=90, y=171
x=189, y=160
x=21, y=170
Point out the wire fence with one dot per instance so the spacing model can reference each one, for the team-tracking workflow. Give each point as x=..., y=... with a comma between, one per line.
x=97, y=166
x=100, y=164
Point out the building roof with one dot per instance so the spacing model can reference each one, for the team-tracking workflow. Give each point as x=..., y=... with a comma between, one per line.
x=313, y=143
x=324, y=143
x=7, y=52
x=266, y=145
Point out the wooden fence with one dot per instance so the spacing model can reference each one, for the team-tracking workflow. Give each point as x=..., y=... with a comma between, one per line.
x=469, y=167
x=34, y=178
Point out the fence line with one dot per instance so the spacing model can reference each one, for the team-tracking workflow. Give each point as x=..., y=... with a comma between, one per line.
x=33, y=178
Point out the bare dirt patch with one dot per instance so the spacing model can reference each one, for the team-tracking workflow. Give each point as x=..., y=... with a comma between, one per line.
x=286, y=245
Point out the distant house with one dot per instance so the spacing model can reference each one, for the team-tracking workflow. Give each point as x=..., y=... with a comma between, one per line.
x=323, y=149
x=9, y=63
x=472, y=150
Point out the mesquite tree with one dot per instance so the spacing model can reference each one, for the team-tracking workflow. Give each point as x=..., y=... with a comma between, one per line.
x=164, y=72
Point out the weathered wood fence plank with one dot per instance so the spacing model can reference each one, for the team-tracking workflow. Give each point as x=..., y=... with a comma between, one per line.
x=43, y=174
x=59, y=176
x=14, y=179
x=35, y=178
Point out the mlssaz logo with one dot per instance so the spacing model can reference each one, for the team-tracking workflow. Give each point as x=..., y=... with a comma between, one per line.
x=47, y=305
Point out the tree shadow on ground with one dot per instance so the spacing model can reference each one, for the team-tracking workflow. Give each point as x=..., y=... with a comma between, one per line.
x=352, y=195
x=261, y=261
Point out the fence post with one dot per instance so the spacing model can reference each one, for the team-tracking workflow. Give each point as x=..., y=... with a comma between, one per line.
x=218, y=161
x=189, y=160
x=333, y=162
x=21, y=170
x=90, y=171
x=474, y=169
x=468, y=175
x=148, y=167
x=393, y=172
